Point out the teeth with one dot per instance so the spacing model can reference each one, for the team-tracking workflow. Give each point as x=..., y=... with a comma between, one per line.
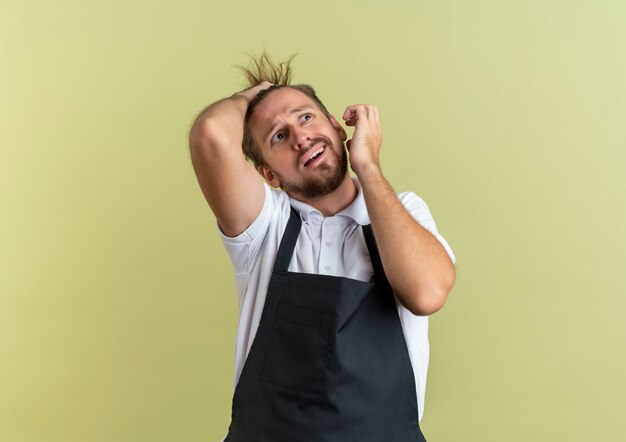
x=315, y=155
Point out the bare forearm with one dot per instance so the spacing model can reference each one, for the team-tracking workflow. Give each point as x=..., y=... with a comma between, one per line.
x=416, y=264
x=230, y=184
x=220, y=123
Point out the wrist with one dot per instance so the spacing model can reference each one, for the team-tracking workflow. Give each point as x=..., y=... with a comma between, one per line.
x=241, y=96
x=368, y=171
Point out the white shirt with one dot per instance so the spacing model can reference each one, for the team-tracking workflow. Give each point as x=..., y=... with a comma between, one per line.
x=328, y=246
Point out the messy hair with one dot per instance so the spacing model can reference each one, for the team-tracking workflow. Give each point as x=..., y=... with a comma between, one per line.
x=260, y=69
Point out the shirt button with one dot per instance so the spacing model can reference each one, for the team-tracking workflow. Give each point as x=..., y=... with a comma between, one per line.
x=328, y=244
x=327, y=268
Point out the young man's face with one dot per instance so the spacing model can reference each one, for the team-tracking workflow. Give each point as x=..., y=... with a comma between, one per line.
x=303, y=149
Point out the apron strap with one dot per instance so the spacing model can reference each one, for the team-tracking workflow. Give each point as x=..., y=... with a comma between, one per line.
x=288, y=242
x=377, y=264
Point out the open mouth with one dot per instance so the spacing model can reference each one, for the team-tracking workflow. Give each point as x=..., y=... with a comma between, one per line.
x=315, y=156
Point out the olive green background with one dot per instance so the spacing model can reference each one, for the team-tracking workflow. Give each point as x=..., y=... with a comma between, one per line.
x=117, y=303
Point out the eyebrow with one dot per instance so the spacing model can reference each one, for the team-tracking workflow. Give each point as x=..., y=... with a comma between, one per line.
x=293, y=111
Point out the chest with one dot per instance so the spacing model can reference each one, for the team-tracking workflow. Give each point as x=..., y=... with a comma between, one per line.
x=332, y=248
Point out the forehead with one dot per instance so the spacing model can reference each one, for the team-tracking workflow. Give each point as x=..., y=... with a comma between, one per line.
x=276, y=105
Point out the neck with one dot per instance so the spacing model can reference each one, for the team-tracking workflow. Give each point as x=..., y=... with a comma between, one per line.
x=336, y=201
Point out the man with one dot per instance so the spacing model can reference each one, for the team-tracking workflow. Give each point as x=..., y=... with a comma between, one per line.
x=336, y=274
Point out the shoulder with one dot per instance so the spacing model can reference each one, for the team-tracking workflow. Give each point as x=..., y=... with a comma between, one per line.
x=245, y=248
x=420, y=212
x=276, y=203
x=412, y=202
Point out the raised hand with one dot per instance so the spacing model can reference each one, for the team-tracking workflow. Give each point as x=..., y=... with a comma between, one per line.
x=364, y=147
x=250, y=93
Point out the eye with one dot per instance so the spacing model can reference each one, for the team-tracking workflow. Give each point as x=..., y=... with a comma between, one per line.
x=278, y=136
x=306, y=117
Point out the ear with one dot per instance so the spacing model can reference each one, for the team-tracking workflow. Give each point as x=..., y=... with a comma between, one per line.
x=269, y=176
x=338, y=128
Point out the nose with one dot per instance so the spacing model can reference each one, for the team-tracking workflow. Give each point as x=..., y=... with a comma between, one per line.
x=301, y=138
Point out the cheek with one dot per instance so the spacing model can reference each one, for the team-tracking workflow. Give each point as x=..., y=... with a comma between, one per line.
x=282, y=164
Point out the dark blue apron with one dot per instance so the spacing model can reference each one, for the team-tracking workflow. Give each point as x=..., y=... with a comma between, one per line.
x=329, y=362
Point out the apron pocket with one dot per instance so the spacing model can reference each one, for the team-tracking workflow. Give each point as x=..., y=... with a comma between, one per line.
x=298, y=346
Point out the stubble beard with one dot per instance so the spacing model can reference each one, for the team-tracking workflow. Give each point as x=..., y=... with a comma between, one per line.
x=327, y=178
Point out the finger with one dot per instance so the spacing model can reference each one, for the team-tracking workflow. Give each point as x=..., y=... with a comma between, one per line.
x=372, y=112
x=377, y=115
x=348, y=113
x=351, y=121
x=347, y=116
x=353, y=111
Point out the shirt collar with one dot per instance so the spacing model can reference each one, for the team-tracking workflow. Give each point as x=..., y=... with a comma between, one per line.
x=356, y=211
